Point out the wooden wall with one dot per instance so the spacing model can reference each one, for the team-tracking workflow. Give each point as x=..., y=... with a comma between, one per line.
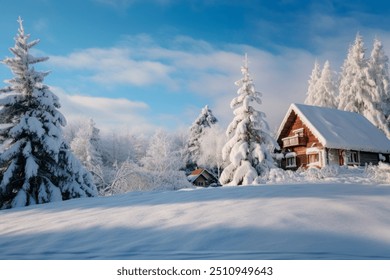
x=311, y=141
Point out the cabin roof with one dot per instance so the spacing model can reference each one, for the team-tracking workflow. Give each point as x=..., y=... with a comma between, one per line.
x=195, y=174
x=197, y=171
x=337, y=129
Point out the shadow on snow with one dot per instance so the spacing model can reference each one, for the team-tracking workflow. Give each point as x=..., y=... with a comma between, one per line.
x=181, y=243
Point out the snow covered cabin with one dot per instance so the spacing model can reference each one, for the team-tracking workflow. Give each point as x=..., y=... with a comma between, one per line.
x=317, y=136
x=202, y=178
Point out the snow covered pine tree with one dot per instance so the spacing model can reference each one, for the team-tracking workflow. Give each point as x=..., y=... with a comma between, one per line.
x=322, y=90
x=312, y=90
x=358, y=90
x=354, y=90
x=378, y=71
x=248, y=150
x=205, y=120
x=36, y=165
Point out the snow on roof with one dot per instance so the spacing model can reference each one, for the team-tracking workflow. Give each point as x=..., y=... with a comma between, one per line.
x=195, y=175
x=192, y=178
x=340, y=129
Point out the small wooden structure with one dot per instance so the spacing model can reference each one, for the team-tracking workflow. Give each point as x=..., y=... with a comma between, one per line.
x=311, y=136
x=202, y=178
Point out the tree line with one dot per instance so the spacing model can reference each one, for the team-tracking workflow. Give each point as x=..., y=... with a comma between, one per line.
x=362, y=85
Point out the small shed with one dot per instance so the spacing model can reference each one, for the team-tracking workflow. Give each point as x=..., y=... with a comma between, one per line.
x=312, y=136
x=202, y=178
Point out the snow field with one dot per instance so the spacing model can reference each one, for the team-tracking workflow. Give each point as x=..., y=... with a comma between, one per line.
x=300, y=221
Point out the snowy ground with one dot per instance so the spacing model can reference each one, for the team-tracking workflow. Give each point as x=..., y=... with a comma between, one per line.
x=329, y=220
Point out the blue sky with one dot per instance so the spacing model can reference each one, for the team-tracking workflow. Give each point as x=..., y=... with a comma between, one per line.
x=142, y=64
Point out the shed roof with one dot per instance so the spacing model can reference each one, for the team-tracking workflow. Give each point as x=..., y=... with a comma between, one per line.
x=339, y=129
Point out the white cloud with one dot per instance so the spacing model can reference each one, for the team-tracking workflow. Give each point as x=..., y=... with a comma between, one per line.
x=108, y=113
x=194, y=67
x=189, y=66
x=114, y=66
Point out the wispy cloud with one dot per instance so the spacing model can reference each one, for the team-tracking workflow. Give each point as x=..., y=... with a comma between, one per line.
x=114, y=66
x=188, y=66
x=40, y=25
x=108, y=113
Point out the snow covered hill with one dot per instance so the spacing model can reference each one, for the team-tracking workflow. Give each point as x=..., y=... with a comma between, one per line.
x=297, y=221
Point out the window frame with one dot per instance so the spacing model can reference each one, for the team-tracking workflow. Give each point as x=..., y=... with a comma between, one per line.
x=353, y=157
x=291, y=160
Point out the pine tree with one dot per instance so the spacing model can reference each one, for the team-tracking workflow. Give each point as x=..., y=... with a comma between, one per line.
x=249, y=144
x=36, y=165
x=326, y=88
x=205, y=120
x=378, y=73
x=354, y=89
x=360, y=84
x=312, y=90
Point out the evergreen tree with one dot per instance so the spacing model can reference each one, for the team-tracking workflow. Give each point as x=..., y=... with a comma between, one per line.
x=36, y=165
x=249, y=144
x=378, y=72
x=205, y=120
x=326, y=89
x=312, y=90
x=360, y=84
x=354, y=89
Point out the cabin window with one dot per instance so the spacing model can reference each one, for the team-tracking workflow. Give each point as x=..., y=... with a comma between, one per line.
x=352, y=157
x=313, y=158
x=291, y=160
x=200, y=184
x=298, y=132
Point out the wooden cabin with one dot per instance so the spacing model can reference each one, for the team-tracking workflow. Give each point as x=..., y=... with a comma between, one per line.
x=202, y=178
x=312, y=136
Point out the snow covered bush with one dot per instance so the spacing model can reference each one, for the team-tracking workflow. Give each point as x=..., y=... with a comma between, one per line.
x=248, y=150
x=278, y=175
x=36, y=164
x=379, y=173
x=313, y=174
x=330, y=171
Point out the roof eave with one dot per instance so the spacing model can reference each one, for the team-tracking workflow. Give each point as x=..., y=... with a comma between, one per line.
x=305, y=120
